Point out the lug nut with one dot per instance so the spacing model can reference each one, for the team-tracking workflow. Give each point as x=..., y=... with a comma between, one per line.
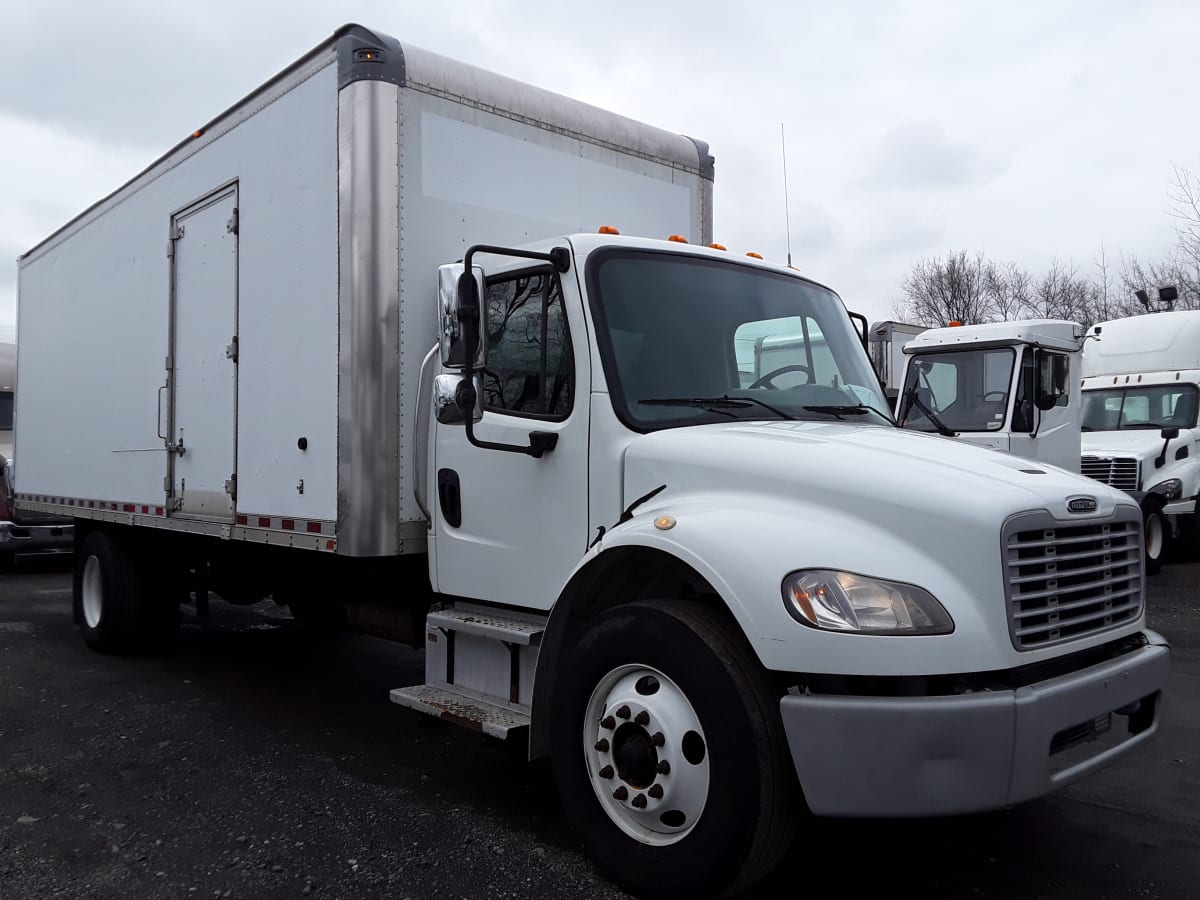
x=664, y=767
x=608, y=722
x=620, y=793
x=623, y=712
x=642, y=718
x=602, y=746
x=656, y=791
x=606, y=772
x=658, y=739
x=639, y=801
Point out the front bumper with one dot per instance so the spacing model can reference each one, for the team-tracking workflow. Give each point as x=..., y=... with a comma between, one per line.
x=49, y=538
x=946, y=755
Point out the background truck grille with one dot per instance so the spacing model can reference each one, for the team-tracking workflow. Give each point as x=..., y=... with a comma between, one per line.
x=1069, y=581
x=1121, y=472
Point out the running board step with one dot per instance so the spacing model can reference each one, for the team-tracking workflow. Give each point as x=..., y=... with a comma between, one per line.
x=487, y=624
x=470, y=712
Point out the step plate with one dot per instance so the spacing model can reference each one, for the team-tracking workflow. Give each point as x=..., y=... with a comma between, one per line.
x=498, y=628
x=461, y=710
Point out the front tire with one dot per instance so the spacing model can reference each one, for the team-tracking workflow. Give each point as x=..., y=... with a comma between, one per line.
x=1154, y=529
x=669, y=753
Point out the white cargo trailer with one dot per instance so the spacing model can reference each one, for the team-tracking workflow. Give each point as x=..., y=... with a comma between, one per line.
x=315, y=369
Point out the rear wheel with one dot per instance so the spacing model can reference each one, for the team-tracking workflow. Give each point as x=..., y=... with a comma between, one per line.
x=115, y=603
x=1154, y=529
x=8, y=560
x=669, y=753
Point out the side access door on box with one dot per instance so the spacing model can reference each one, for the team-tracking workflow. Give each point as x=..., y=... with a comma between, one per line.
x=201, y=421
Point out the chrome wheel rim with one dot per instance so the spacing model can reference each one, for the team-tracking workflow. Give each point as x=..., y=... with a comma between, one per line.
x=646, y=755
x=93, y=592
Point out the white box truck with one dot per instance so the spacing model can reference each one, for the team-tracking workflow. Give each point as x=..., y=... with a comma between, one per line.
x=1141, y=390
x=400, y=379
x=885, y=345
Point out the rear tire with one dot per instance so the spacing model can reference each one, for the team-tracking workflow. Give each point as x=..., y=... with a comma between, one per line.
x=8, y=560
x=1154, y=530
x=115, y=605
x=671, y=681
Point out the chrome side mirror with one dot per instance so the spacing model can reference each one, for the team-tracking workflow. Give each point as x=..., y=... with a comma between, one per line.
x=450, y=330
x=446, y=392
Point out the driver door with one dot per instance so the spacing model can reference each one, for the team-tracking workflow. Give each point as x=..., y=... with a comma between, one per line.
x=509, y=528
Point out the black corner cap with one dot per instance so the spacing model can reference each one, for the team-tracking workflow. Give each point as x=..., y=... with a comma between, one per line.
x=365, y=55
x=707, y=163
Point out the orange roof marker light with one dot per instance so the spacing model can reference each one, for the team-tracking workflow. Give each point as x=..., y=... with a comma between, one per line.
x=197, y=133
x=607, y=229
x=754, y=255
x=677, y=238
x=718, y=247
x=954, y=323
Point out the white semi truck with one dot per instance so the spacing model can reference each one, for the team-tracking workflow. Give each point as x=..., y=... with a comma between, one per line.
x=1007, y=386
x=350, y=346
x=1141, y=389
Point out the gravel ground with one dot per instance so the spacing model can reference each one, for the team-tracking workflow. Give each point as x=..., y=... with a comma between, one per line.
x=256, y=761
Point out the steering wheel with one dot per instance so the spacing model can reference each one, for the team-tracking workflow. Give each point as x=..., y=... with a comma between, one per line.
x=999, y=395
x=765, y=381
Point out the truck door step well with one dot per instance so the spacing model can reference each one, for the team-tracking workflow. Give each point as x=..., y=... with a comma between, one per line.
x=479, y=668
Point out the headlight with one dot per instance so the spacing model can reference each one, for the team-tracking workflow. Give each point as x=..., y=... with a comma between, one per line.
x=1169, y=489
x=843, y=601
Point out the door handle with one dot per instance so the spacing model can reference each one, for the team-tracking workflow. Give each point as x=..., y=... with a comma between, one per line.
x=158, y=412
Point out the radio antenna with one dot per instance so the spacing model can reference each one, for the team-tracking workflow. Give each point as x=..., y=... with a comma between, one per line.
x=787, y=214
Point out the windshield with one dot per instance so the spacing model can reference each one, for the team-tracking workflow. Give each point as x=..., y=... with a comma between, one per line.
x=688, y=340
x=1159, y=406
x=6, y=410
x=966, y=390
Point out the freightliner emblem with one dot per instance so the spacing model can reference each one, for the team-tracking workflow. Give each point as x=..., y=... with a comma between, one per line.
x=1081, y=504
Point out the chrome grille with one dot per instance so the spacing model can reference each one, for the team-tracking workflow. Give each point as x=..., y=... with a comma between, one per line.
x=1067, y=581
x=1121, y=472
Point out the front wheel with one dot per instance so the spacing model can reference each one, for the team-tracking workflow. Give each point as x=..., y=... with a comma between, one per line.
x=1154, y=528
x=669, y=753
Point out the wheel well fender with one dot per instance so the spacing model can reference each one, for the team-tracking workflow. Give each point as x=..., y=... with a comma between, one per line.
x=612, y=577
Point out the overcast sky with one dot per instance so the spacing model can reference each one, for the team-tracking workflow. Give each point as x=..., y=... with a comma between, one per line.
x=1028, y=130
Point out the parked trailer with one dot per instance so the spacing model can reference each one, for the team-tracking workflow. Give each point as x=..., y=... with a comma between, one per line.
x=712, y=606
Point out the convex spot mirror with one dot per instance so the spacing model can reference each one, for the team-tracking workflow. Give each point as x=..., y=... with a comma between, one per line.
x=1052, y=374
x=452, y=301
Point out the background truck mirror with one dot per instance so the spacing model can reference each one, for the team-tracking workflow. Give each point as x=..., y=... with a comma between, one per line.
x=1051, y=379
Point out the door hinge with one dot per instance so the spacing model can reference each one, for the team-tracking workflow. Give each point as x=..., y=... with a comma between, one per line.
x=231, y=486
x=173, y=235
x=231, y=349
x=232, y=225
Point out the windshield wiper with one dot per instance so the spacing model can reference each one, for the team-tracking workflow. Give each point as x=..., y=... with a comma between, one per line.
x=911, y=397
x=855, y=409
x=717, y=404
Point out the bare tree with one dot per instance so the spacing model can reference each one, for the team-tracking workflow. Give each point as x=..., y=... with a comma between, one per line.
x=1009, y=291
x=1062, y=294
x=939, y=291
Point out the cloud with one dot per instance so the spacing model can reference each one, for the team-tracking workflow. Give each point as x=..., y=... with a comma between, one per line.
x=921, y=155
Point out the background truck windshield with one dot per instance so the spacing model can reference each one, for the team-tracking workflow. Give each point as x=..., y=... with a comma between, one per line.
x=765, y=345
x=966, y=390
x=1140, y=407
x=6, y=410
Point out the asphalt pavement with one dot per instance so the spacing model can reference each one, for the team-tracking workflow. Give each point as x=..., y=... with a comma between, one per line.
x=257, y=761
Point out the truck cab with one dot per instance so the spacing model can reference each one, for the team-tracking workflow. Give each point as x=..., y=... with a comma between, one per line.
x=1006, y=386
x=1141, y=389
